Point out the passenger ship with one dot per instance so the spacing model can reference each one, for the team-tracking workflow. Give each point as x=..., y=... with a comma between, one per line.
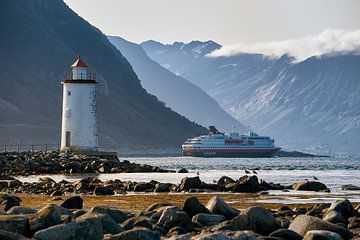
x=233, y=144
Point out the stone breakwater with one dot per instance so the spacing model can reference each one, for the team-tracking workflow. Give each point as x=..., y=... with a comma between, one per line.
x=35, y=163
x=92, y=185
x=191, y=220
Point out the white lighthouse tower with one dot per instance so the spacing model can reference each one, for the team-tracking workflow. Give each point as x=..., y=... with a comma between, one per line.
x=79, y=128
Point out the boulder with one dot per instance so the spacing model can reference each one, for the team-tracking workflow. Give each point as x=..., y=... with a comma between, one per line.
x=108, y=223
x=136, y=234
x=155, y=206
x=208, y=219
x=173, y=216
x=163, y=187
x=182, y=170
x=14, y=223
x=257, y=219
x=17, y=210
x=87, y=229
x=286, y=234
x=104, y=190
x=322, y=235
x=118, y=215
x=225, y=180
x=309, y=186
x=138, y=221
x=304, y=223
x=144, y=187
x=46, y=217
x=248, y=184
x=192, y=206
x=11, y=236
x=344, y=207
x=334, y=217
x=75, y=202
x=217, y=205
x=8, y=201
x=227, y=235
x=188, y=183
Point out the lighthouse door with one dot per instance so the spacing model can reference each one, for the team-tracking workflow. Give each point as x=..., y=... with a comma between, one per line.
x=67, y=138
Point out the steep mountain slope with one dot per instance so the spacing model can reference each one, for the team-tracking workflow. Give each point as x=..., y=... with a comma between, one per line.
x=177, y=93
x=312, y=105
x=39, y=41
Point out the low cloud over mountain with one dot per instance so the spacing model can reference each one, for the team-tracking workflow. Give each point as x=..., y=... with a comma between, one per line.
x=329, y=41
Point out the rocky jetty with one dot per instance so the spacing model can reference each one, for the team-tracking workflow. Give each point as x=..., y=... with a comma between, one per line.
x=93, y=185
x=35, y=163
x=191, y=221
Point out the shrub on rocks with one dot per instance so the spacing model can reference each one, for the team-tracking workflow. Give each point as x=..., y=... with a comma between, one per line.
x=217, y=205
x=192, y=206
x=309, y=186
x=75, y=202
x=304, y=223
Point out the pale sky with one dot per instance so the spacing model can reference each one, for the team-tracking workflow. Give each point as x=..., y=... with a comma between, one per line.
x=224, y=21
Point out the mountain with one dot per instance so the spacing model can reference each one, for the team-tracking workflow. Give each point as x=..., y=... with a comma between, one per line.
x=39, y=41
x=311, y=105
x=177, y=93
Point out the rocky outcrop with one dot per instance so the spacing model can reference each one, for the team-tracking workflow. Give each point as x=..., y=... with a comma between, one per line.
x=35, y=163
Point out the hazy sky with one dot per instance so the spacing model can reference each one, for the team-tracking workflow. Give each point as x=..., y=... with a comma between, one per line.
x=224, y=21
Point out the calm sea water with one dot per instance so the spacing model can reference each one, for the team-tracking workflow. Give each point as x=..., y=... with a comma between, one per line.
x=334, y=172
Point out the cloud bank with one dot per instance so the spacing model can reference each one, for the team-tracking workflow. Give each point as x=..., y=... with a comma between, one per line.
x=328, y=41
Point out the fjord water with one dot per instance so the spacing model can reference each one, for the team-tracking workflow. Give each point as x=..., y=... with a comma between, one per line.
x=333, y=172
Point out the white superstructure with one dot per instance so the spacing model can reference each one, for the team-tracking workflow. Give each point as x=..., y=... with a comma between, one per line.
x=79, y=123
x=233, y=144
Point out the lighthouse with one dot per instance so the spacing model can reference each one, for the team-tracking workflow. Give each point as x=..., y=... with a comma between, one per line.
x=79, y=123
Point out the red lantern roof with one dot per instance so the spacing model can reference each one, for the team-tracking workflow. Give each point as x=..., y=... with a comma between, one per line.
x=78, y=63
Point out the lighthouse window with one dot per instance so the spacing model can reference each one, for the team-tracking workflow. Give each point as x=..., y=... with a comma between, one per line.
x=68, y=113
x=68, y=93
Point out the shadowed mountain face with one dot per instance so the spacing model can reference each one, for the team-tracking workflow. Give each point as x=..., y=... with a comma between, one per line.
x=177, y=93
x=313, y=105
x=39, y=41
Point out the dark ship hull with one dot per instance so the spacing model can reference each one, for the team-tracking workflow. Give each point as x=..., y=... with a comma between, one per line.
x=232, y=153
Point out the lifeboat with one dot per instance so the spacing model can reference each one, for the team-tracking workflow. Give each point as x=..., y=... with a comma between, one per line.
x=234, y=141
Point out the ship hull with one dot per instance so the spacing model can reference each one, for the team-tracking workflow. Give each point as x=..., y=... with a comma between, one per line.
x=233, y=154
